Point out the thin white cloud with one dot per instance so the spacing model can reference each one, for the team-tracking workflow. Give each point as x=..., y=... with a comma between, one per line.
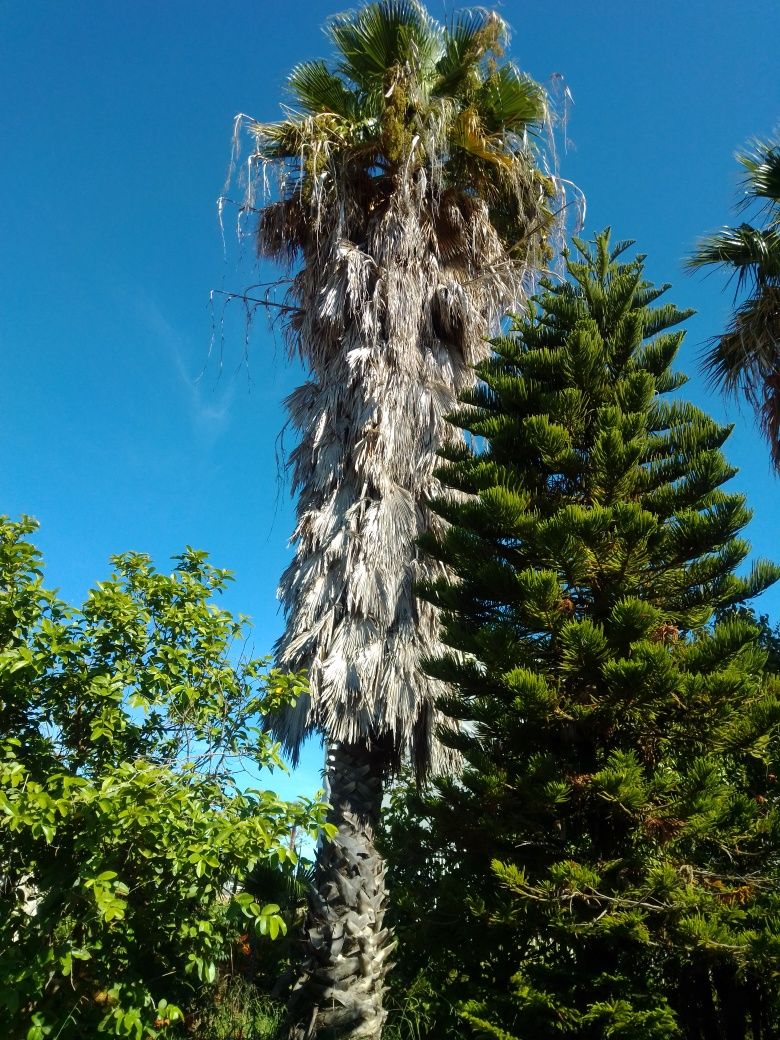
x=209, y=403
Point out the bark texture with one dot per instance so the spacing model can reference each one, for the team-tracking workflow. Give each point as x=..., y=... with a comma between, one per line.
x=341, y=983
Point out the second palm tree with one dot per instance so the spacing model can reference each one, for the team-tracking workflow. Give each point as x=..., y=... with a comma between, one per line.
x=746, y=357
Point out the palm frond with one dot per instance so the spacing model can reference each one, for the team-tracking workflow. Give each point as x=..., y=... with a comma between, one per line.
x=769, y=418
x=753, y=254
x=748, y=352
x=386, y=99
x=746, y=360
x=762, y=174
x=285, y=885
x=469, y=134
x=383, y=36
x=314, y=135
x=472, y=35
x=511, y=101
x=317, y=90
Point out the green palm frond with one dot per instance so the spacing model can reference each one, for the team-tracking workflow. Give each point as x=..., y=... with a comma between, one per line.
x=762, y=175
x=752, y=254
x=748, y=352
x=286, y=886
x=510, y=101
x=401, y=83
x=317, y=89
x=745, y=360
x=403, y=91
x=317, y=135
x=473, y=35
x=385, y=36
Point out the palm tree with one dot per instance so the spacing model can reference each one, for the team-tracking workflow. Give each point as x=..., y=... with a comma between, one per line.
x=413, y=211
x=746, y=357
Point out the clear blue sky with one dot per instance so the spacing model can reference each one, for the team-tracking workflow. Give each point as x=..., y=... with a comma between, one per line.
x=116, y=130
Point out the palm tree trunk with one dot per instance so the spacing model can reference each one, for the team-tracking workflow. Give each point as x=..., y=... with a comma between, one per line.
x=341, y=983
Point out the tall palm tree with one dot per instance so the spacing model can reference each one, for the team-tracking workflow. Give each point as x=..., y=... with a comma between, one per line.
x=746, y=357
x=413, y=211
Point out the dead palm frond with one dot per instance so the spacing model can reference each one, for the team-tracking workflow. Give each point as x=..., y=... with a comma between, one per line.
x=413, y=204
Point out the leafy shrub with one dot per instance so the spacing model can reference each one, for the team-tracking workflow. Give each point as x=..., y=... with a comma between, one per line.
x=123, y=829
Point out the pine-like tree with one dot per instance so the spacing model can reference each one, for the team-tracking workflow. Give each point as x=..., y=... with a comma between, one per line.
x=616, y=829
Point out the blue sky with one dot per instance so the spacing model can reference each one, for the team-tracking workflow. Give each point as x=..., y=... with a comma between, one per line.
x=123, y=425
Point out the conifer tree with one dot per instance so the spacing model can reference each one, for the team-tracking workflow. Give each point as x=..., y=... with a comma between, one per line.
x=615, y=830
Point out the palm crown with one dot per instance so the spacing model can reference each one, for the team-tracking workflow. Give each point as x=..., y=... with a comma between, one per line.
x=406, y=93
x=746, y=357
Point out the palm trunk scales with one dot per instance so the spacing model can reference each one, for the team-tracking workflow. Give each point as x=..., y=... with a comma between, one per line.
x=340, y=988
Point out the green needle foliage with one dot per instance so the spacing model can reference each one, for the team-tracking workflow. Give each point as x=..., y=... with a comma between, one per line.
x=124, y=832
x=615, y=829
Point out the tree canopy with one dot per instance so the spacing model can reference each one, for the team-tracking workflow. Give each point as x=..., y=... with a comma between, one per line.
x=406, y=93
x=126, y=823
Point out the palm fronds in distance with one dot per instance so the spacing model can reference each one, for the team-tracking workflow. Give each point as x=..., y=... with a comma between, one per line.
x=744, y=360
